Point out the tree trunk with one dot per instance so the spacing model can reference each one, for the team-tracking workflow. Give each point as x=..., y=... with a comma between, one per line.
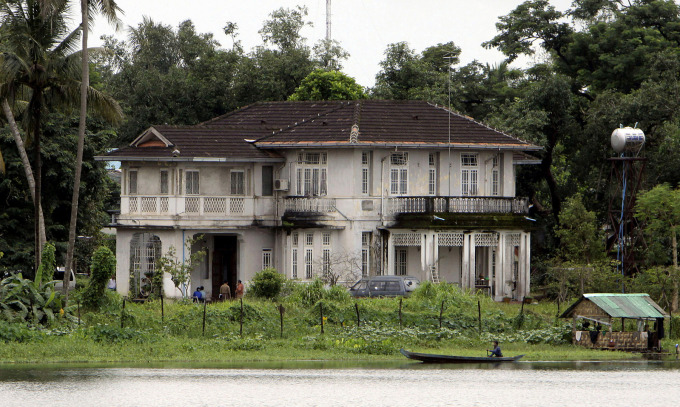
x=674, y=244
x=27, y=164
x=85, y=83
x=36, y=113
x=546, y=168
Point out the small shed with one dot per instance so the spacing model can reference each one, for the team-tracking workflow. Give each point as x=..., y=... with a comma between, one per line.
x=602, y=309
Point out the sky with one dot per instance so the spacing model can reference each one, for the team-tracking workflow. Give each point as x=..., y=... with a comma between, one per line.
x=364, y=28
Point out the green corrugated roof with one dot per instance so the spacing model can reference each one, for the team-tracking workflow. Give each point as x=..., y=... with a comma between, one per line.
x=623, y=305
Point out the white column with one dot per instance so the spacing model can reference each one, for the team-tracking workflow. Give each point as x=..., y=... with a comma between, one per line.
x=473, y=261
x=423, y=254
x=500, y=267
x=526, y=240
x=390, y=255
x=465, y=273
x=435, y=253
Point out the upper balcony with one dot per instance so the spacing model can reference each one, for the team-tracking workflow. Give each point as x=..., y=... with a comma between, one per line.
x=406, y=204
x=199, y=206
x=464, y=204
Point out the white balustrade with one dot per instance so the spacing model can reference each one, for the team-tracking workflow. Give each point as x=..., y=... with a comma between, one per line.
x=188, y=205
x=456, y=205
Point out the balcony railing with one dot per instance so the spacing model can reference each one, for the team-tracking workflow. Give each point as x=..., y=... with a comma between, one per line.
x=187, y=205
x=323, y=205
x=456, y=205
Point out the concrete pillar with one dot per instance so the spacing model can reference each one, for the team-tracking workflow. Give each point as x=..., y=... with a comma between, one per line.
x=526, y=250
x=501, y=264
x=465, y=274
x=390, y=255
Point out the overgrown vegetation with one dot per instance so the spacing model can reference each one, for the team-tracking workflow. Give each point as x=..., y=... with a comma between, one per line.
x=352, y=328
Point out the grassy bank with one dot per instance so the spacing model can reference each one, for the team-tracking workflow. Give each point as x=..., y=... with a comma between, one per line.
x=174, y=331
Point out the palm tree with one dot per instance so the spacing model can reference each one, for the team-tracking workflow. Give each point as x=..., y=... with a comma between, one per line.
x=89, y=8
x=40, y=65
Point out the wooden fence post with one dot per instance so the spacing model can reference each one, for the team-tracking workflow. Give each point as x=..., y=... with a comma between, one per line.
x=441, y=312
x=321, y=314
x=205, y=304
x=162, y=311
x=241, y=318
x=479, y=314
x=400, y=322
x=281, y=311
x=356, y=307
x=122, y=313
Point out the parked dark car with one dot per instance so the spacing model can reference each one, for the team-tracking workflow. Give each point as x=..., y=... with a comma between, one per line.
x=384, y=286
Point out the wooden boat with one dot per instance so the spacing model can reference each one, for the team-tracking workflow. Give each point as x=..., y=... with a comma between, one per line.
x=430, y=358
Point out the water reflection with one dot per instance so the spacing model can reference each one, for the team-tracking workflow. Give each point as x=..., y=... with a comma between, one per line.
x=341, y=384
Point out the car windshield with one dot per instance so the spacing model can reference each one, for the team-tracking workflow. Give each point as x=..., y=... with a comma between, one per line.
x=360, y=285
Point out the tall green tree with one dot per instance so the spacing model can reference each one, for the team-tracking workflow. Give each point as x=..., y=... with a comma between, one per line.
x=659, y=210
x=88, y=9
x=40, y=66
x=328, y=85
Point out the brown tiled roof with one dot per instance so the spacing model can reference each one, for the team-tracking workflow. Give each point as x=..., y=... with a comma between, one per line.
x=392, y=123
x=201, y=141
x=291, y=124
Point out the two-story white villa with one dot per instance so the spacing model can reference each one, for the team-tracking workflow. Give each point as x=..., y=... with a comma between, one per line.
x=335, y=188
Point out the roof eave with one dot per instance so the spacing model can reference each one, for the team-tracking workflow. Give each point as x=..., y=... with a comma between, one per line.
x=189, y=159
x=403, y=145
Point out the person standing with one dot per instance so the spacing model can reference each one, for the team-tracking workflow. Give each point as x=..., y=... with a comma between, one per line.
x=239, y=290
x=225, y=291
x=496, y=351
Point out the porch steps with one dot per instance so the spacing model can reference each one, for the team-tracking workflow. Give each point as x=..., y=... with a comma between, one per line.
x=434, y=274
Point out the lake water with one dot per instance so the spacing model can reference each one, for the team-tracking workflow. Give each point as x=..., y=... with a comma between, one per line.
x=344, y=384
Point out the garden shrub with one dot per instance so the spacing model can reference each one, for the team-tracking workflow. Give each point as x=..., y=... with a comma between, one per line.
x=15, y=332
x=22, y=299
x=266, y=283
x=103, y=266
x=47, y=265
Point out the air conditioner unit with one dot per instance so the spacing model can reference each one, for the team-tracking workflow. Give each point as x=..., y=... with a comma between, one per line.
x=281, y=185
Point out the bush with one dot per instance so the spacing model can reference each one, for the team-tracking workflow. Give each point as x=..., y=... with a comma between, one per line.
x=15, y=333
x=266, y=283
x=47, y=265
x=24, y=300
x=103, y=267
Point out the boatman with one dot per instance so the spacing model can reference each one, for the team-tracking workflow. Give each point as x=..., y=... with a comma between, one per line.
x=496, y=351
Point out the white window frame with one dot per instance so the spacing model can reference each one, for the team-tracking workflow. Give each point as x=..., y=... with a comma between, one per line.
x=432, y=174
x=133, y=176
x=366, y=253
x=164, y=183
x=309, y=239
x=192, y=186
x=234, y=187
x=326, y=261
x=309, y=263
x=469, y=176
x=401, y=261
x=399, y=173
x=312, y=174
x=294, y=265
x=366, y=158
x=495, y=177
x=266, y=258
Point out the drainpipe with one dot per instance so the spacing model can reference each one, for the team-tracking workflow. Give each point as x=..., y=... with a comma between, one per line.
x=382, y=191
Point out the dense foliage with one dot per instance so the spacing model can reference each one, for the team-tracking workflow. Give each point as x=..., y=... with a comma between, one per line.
x=266, y=283
x=102, y=269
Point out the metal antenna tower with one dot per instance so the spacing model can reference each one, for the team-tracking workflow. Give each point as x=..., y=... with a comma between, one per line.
x=328, y=20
